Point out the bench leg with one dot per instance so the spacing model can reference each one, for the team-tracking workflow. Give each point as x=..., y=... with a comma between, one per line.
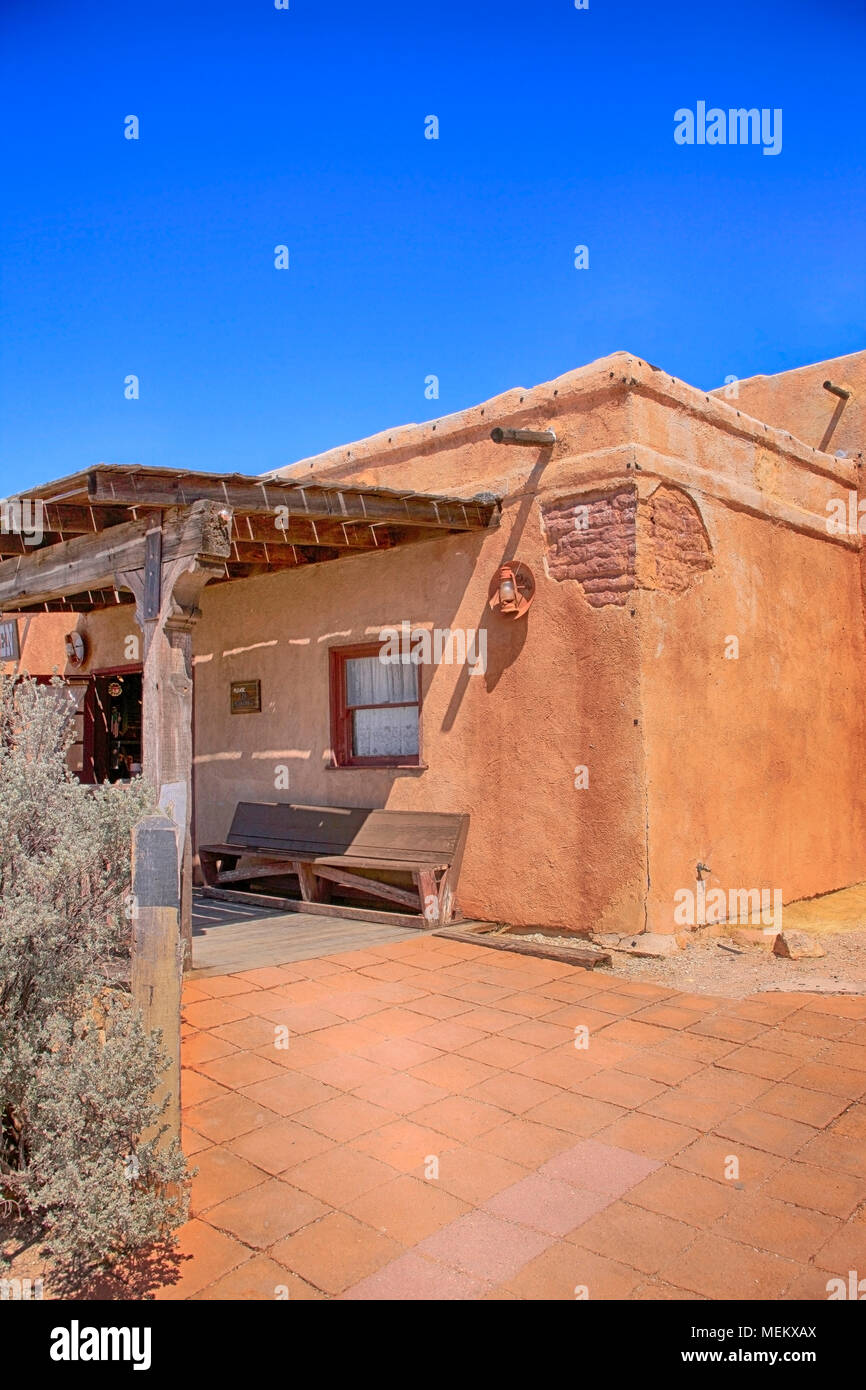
x=313, y=888
x=428, y=892
x=212, y=864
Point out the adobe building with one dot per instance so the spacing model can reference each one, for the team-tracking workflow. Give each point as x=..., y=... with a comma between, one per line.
x=687, y=685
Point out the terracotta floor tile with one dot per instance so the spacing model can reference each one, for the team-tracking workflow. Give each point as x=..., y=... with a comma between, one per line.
x=688, y=1044
x=267, y=1213
x=547, y=1205
x=844, y=1250
x=709, y=1156
x=818, y=1025
x=353, y=1005
x=576, y=1114
x=345, y=1117
x=497, y=1051
x=727, y=1028
x=280, y=1146
x=797, y=1103
x=260, y=1279
x=527, y=1005
x=239, y=1069
x=714, y=1082
x=540, y=1033
x=837, y=1152
x=336, y=1253
x=228, y=1116
x=269, y=976
x=645, y=1134
x=399, y=1022
x=195, y=1088
x=248, y=1033
x=303, y=1053
x=792, y=1044
x=400, y=1054
x=635, y=1237
x=349, y=1073
x=407, y=1209
x=339, y=1175
x=692, y=1111
x=412, y=1278
x=720, y=1269
x=460, y=1117
x=634, y=1034
x=485, y=1246
x=762, y=1221
x=192, y=1142
x=670, y=1071
x=440, y=1006
x=222, y=986
x=567, y=1271
x=405, y=1145
x=289, y=1093
x=684, y=1196
x=205, y=1047
x=400, y=1093
x=619, y=1088
x=775, y=1133
x=213, y=1013
x=757, y=1061
x=667, y=1016
x=524, y=1141
x=598, y=1167
x=514, y=1093
x=221, y=1174
x=847, y=1055
x=447, y=1035
x=819, y=1189
x=838, y=1081
x=454, y=1073
x=473, y=1175
x=203, y=1255
x=852, y=1123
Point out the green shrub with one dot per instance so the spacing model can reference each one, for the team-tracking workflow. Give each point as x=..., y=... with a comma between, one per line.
x=77, y=1070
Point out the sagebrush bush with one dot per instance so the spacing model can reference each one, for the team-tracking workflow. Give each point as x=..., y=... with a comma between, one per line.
x=77, y=1070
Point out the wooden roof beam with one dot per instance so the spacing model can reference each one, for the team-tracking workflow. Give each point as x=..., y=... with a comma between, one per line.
x=91, y=562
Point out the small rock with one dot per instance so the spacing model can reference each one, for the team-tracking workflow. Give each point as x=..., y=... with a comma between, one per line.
x=795, y=945
x=648, y=943
x=606, y=938
x=727, y=944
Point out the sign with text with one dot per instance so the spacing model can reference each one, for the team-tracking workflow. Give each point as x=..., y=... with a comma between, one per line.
x=246, y=697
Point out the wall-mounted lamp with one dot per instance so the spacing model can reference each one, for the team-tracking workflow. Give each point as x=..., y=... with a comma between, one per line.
x=512, y=589
x=76, y=648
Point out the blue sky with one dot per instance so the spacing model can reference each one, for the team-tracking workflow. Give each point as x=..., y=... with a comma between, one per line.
x=408, y=257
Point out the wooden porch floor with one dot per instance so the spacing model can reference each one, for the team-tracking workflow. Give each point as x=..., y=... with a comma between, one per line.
x=231, y=937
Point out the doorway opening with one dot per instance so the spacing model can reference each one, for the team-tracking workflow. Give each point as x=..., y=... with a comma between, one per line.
x=113, y=747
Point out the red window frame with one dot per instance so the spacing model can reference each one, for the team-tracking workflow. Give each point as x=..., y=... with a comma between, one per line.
x=341, y=713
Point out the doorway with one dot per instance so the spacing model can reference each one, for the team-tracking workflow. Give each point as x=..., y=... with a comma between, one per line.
x=112, y=726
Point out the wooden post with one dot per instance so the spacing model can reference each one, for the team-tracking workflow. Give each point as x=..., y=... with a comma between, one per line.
x=166, y=592
x=157, y=948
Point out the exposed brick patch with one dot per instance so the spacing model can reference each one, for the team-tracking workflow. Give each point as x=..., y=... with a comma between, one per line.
x=612, y=544
x=592, y=539
x=672, y=545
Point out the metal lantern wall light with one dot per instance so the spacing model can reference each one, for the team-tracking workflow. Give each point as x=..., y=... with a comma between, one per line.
x=512, y=589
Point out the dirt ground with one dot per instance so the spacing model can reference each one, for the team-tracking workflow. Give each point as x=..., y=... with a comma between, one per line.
x=718, y=967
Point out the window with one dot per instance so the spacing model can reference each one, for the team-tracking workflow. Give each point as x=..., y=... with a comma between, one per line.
x=375, y=709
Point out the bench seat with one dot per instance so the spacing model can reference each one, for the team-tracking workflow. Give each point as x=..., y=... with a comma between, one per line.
x=327, y=847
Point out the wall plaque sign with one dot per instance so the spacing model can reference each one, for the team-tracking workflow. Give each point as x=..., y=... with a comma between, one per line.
x=246, y=697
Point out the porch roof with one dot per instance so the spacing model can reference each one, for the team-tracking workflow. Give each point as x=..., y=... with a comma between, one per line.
x=275, y=524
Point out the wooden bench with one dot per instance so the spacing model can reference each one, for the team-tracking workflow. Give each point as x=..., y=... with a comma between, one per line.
x=349, y=848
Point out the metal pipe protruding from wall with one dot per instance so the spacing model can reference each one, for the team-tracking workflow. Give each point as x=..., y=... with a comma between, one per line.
x=841, y=391
x=501, y=436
